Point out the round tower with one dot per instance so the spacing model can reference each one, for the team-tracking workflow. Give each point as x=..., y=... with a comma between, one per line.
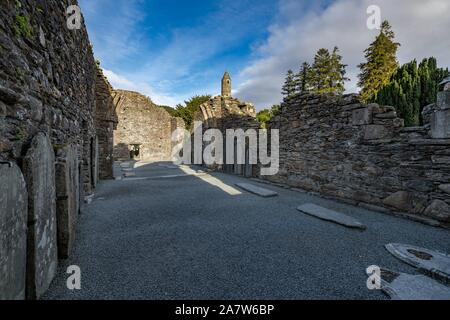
x=226, y=85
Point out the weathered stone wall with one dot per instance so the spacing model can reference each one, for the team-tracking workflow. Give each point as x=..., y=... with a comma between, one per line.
x=142, y=123
x=106, y=123
x=339, y=147
x=229, y=113
x=47, y=106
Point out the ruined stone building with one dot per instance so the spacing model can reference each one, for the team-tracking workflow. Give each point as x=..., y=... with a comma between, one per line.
x=225, y=112
x=337, y=146
x=145, y=129
x=56, y=125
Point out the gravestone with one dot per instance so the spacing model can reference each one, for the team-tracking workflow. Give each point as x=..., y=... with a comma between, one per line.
x=68, y=195
x=42, y=253
x=13, y=233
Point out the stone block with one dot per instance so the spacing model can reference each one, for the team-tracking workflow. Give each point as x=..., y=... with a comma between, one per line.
x=68, y=195
x=438, y=210
x=401, y=200
x=13, y=233
x=42, y=253
x=361, y=117
x=440, y=124
x=443, y=100
x=445, y=188
x=374, y=132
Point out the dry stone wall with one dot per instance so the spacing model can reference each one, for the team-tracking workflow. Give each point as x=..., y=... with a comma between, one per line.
x=144, y=130
x=50, y=87
x=339, y=147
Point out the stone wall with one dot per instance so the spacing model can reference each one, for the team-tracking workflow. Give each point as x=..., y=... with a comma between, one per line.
x=229, y=113
x=51, y=136
x=106, y=123
x=143, y=124
x=339, y=147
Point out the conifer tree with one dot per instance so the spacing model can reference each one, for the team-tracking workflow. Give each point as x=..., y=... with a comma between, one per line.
x=303, y=78
x=321, y=72
x=411, y=88
x=337, y=72
x=289, y=87
x=381, y=63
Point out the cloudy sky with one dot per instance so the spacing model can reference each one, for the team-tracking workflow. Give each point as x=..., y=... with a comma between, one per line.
x=171, y=50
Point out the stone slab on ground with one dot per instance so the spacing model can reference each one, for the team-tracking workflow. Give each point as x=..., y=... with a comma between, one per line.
x=42, y=252
x=125, y=165
x=13, y=232
x=433, y=263
x=330, y=215
x=262, y=192
x=402, y=286
x=129, y=174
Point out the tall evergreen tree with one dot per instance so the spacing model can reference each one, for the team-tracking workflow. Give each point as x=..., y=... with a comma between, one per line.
x=289, y=87
x=321, y=71
x=303, y=78
x=338, y=72
x=411, y=88
x=381, y=63
x=328, y=72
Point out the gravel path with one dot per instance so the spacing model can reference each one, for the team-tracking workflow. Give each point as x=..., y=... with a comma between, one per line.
x=186, y=237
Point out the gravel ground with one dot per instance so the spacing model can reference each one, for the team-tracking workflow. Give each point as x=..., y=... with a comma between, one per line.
x=183, y=238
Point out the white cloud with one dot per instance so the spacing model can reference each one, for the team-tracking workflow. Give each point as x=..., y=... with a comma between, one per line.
x=121, y=82
x=420, y=26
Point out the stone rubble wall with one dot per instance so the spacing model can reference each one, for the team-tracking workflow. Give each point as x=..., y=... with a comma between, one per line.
x=141, y=122
x=339, y=147
x=229, y=113
x=106, y=123
x=52, y=136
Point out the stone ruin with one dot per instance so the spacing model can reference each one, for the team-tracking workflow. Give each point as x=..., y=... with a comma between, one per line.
x=362, y=154
x=225, y=112
x=58, y=123
x=145, y=130
x=60, y=119
x=338, y=147
x=56, y=129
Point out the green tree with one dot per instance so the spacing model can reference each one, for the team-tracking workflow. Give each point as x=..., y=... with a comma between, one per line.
x=328, y=72
x=337, y=74
x=190, y=107
x=411, y=88
x=289, y=87
x=266, y=115
x=321, y=72
x=303, y=78
x=381, y=63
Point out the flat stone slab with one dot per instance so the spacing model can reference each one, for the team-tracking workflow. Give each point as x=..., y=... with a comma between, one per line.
x=168, y=166
x=42, y=251
x=403, y=286
x=129, y=174
x=330, y=215
x=265, y=193
x=433, y=263
x=13, y=232
x=125, y=165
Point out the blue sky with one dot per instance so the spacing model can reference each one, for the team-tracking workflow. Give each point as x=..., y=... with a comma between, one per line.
x=171, y=50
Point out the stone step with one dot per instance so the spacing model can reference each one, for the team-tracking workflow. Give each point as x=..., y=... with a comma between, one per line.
x=330, y=215
x=262, y=192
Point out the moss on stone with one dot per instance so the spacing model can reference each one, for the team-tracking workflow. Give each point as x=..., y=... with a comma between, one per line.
x=23, y=27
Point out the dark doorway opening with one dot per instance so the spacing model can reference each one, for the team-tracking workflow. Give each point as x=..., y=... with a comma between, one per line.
x=135, y=151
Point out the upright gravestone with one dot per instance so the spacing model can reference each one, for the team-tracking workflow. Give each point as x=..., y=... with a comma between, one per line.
x=440, y=119
x=68, y=195
x=13, y=233
x=42, y=253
